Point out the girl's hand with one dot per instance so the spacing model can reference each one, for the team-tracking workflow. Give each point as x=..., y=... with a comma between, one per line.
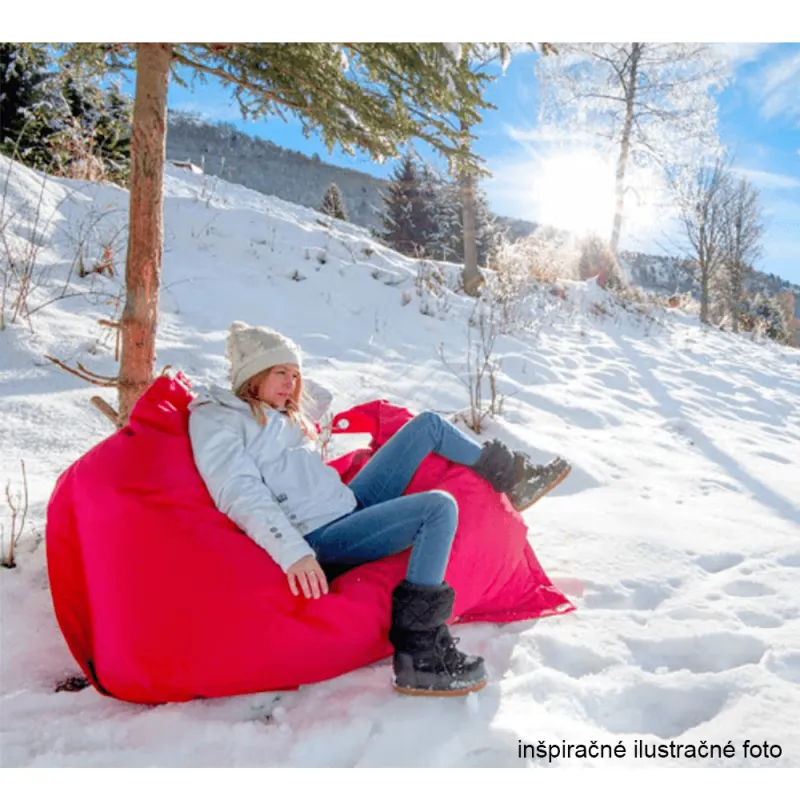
x=309, y=575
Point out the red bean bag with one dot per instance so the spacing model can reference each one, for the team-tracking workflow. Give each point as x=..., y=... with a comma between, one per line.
x=161, y=598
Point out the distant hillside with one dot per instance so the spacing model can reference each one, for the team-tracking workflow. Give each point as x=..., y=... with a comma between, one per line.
x=223, y=150
x=672, y=275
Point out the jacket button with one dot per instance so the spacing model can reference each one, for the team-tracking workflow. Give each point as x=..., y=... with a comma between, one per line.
x=279, y=536
x=273, y=530
x=292, y=516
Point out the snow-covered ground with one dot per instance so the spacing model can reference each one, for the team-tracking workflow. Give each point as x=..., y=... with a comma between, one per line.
x=677, y=535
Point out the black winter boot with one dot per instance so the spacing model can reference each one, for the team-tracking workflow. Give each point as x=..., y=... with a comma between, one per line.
x=514, y=474
x=534, y=481
x=426, y=661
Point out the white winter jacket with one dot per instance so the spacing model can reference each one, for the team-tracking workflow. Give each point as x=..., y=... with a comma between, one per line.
x=271, y=480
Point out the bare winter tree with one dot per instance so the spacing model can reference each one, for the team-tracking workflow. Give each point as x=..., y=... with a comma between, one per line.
x=702, y=209
x=741, y=241
x=650, y=104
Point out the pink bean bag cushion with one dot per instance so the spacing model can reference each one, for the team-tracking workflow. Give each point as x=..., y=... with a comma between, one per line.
x=161, y=598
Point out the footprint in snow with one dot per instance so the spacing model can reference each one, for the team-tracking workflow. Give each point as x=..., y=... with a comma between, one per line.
x=708, y=652
x=785, y=665
x=629, y=595
x=651, y=708
x=717, y=562
x=758, y=619
x=747, y=589
x=695, y=612
x=575, y=660
x=790, y=560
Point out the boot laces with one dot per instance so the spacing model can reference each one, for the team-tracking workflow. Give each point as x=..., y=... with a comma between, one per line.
x=446, y=652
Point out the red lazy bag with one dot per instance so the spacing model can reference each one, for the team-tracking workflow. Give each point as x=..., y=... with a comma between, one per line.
x=161, y=598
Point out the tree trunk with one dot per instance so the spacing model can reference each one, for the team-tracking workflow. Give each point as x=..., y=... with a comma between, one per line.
x=145, y=225
x=472, y=277
x=704, y=276
x=705, y=271
x=625, y=144
x=737, y=291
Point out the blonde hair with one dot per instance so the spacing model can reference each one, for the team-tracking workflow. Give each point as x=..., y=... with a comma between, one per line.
x=295, y=404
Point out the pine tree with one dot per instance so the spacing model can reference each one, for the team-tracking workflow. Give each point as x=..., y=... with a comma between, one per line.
x=487, y=229
x=448, y=235
x=113, y=134
x=333, y=203
x=26, y=104
x=448, y=242
x=50, y=119
x=95, y=134
x=427, y=224
x=406, y=216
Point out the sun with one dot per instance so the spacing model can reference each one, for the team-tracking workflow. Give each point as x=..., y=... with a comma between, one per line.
x=575, y=192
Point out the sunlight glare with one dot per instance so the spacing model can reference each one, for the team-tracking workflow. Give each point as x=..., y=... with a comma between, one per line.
x=575, y=192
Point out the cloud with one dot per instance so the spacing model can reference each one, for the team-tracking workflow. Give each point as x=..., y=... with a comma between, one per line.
x=544, y=134
x=777, y=85
x=739, y=53
x=769, y=180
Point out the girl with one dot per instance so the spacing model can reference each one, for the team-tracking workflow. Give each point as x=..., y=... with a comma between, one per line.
x=256, y=449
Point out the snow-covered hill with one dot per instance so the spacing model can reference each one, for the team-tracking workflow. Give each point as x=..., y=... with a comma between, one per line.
x=226, y=152
x=677, y=535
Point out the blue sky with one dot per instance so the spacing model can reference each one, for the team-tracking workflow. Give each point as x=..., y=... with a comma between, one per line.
x=759, y=121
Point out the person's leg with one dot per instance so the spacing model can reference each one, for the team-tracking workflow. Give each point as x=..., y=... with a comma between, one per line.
x=426, y=522
x=387, y=474
x=426, y=660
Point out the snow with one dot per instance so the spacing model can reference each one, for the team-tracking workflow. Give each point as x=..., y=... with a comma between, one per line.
x=677, y=534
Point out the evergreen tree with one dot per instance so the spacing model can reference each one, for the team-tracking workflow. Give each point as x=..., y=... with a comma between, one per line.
x=94, y=131
x=333, y=203
x=51, y=118
x=427, y=222
x=448, y=243
x=406, y=217
x=26, y=104
x=487, y=230
x=448, y=231
x=113, y=134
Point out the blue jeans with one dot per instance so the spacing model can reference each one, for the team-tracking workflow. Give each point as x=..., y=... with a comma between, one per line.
x=389, y=522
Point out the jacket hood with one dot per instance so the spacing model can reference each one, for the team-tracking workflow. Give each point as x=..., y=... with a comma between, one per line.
x=218, y=395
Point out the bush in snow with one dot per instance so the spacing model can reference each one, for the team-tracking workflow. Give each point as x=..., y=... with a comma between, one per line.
x=762, y=314
x=595, y=259
x=17, y=505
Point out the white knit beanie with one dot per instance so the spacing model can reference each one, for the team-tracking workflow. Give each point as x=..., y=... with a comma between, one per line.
x=252, y=349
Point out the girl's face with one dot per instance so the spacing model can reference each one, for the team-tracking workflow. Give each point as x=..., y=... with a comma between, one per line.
x=279, y=385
